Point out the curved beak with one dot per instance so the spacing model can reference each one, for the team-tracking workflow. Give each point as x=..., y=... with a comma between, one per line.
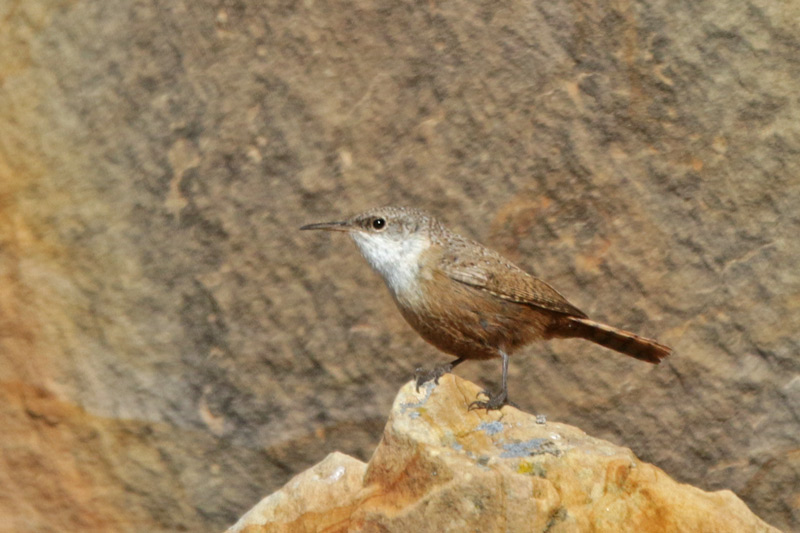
x=328, y=226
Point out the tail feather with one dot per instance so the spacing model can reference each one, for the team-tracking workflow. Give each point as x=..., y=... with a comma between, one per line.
x=617, y=339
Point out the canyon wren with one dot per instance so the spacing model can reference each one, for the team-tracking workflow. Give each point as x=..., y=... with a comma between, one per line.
x=469, y=301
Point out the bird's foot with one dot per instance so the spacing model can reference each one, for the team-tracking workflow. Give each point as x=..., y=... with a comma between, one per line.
x=423, y=376
x=494, y=401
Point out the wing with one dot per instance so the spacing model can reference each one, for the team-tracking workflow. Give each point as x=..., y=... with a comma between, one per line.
x=490, y=272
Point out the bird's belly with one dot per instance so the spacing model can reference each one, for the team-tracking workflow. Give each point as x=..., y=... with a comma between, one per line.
x=471, y=323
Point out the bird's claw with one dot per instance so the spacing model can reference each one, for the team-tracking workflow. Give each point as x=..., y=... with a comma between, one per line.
x=422, y=376
x=493, y=402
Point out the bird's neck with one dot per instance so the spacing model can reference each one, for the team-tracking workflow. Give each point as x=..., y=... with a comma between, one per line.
x=397, y=260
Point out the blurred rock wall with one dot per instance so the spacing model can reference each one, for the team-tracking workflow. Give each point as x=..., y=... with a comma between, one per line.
x=172, y=348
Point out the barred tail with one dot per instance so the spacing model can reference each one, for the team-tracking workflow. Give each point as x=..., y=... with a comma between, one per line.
x=616, y=339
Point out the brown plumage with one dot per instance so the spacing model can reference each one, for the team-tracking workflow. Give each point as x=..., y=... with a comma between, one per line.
x=469, y=301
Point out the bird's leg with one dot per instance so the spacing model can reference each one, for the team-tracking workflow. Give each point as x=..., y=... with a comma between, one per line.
x=495, y=401
x=423, y=376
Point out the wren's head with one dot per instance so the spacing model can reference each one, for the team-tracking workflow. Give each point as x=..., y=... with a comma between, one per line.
x=391, y=239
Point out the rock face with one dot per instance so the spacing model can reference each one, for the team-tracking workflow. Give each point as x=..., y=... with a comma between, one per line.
x=440, y=467
x=192, y=350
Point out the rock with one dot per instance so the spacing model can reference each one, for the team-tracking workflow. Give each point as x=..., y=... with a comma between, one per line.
x=324, y=496
x=53, y=475
x=440, y=467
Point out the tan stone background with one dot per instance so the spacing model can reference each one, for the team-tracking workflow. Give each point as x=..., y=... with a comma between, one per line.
x=172, y=348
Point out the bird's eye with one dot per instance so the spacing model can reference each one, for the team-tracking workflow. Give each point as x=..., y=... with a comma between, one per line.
x=379, y=223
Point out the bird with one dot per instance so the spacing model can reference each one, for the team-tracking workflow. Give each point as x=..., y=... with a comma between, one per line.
x=469, y=301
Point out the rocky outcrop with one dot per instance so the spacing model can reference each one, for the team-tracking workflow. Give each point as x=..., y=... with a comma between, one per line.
x=440, y=467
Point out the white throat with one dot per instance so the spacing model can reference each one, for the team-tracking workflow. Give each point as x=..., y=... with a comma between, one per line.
x=397, y=260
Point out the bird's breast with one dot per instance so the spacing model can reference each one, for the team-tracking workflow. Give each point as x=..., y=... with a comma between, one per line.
x=463, y=320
